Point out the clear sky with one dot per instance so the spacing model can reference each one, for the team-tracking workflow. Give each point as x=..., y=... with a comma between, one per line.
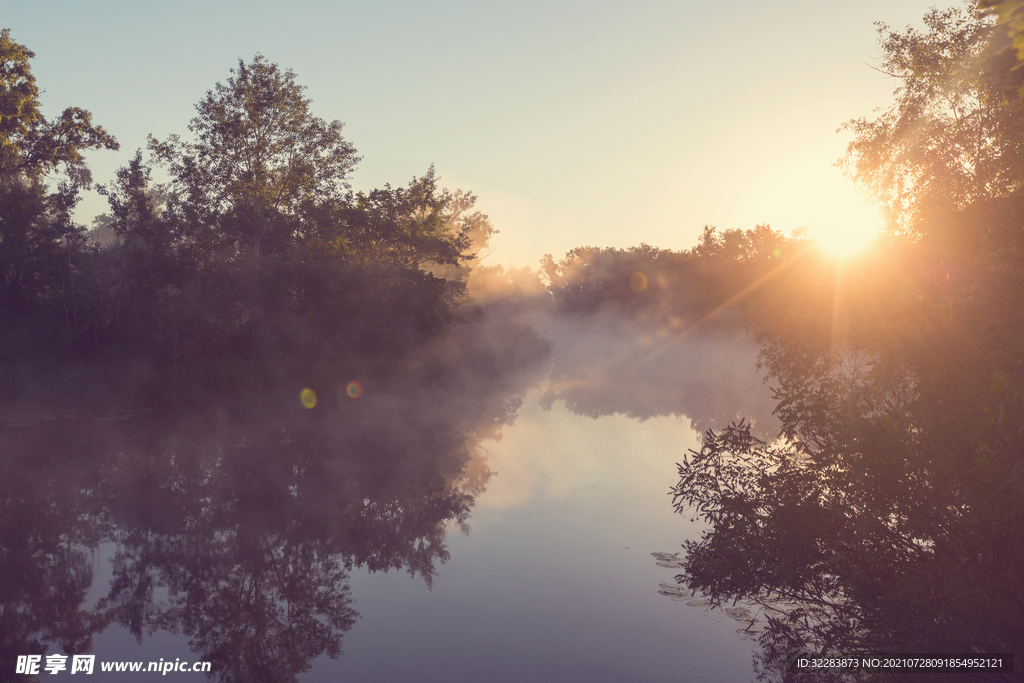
x=575, y=123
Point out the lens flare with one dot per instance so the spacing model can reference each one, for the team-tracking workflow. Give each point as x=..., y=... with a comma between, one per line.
x=638, y=282
x=308, y=398
x=354, y=390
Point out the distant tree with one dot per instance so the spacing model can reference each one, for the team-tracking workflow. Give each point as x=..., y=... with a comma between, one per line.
x=685, y=286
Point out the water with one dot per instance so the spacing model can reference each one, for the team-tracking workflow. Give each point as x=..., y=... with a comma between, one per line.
x=556, y=580
x=462, y=526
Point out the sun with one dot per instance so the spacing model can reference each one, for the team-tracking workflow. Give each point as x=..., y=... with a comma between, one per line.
x=804, y=189
x=843, y=241
x=848, y=227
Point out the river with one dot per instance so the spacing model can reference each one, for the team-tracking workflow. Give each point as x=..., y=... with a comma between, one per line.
x=479, y=527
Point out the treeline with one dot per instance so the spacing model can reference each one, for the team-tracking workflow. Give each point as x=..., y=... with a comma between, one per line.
x=254, y=260
x=677, y=287
x=254, y=257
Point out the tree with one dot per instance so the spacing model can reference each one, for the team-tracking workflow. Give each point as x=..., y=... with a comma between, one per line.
x=145, y=259
x=30, y=144
x=241, y=189
x=891, y=515
x=1009, y=14
x=39, y=242
x=259, y=153
x=686, y=288
x=288, y=263
x=420, y=226
x=951, y=137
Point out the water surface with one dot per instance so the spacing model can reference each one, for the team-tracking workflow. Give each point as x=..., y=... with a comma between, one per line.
x=457, y=524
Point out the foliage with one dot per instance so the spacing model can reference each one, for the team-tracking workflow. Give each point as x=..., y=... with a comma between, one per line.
x=681, y=288
x=894, y=504
x=589, y=278
x=133, y=275
x=953, y=135
x=1009, y=14
x=895, y=508
x=258, y=154
x=29, y=144
x=28, y=245
x=41, y=248
x=255, y=254
x=283, y=263
x=420, y=226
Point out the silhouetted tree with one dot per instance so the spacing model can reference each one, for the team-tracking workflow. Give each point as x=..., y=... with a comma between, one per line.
x=258, y=154
x=892, y=514
x=679, y=287
x=39, y=243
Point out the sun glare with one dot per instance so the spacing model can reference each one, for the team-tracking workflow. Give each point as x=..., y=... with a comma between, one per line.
x=843, y=241
x=803, y=188
x=847, y=227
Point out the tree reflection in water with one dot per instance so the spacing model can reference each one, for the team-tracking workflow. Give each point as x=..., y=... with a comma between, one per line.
x=238, y=528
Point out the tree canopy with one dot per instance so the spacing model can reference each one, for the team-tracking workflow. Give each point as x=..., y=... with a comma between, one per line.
x=950, y=138
x=256, y=249
x=40, y=244
x=889, y=517
x=1009, y=14
x=29, y=143
x=258, y=155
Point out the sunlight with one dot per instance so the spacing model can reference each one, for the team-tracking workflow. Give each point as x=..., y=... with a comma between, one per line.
x=805, y=189
x=843, y=241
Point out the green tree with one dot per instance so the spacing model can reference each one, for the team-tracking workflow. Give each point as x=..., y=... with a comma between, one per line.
x=258, y=155
x=29, y=143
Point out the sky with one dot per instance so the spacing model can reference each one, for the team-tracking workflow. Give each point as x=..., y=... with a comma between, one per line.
x=574, y=123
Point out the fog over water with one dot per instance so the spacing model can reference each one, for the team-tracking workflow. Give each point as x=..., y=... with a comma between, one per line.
x=608, y=365
x=487, y=512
